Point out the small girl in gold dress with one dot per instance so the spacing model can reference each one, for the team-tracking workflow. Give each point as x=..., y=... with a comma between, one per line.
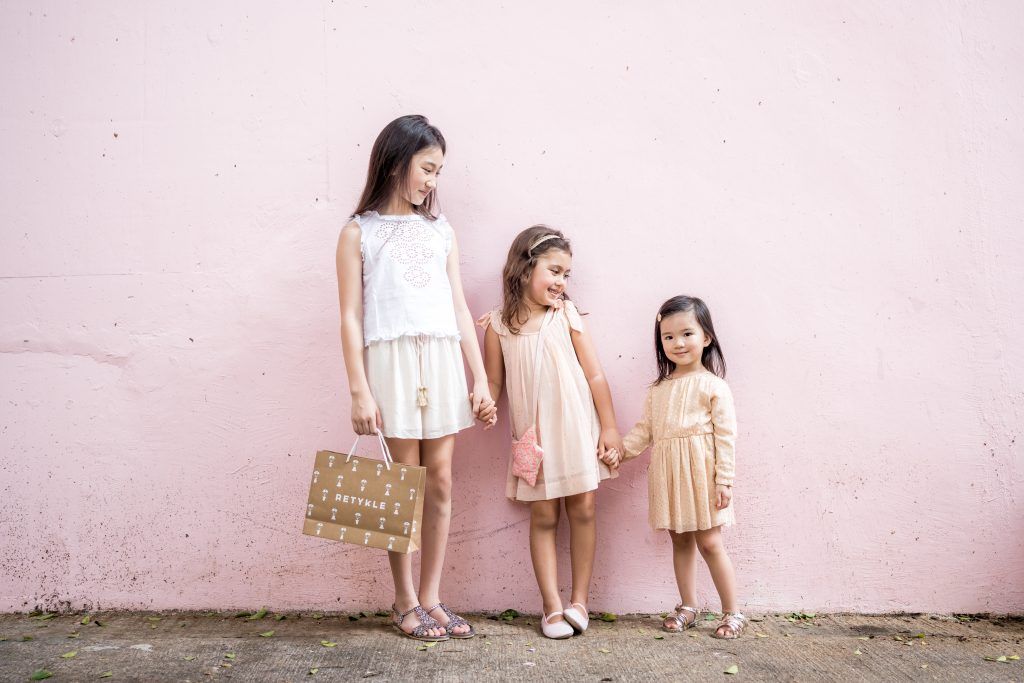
x=690, y=421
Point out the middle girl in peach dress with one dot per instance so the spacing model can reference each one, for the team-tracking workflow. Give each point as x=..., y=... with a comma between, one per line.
x=537, y=336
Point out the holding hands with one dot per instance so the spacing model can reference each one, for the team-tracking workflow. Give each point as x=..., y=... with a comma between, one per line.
x=484, y=407
x=609, y=447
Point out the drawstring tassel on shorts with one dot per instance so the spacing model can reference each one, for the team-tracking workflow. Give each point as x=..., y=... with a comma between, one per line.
x=421, y=397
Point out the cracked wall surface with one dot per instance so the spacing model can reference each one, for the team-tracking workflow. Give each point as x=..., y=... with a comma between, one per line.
x=841, y=184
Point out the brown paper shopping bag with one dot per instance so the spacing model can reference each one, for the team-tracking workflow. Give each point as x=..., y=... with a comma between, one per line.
x=365, y=501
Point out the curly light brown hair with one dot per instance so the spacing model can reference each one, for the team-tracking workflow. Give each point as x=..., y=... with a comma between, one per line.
x=522, y=257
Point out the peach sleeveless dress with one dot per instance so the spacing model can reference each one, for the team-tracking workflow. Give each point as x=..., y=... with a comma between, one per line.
x=567, y=424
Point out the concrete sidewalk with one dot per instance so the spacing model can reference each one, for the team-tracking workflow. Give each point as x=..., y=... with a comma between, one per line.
x=310, y=647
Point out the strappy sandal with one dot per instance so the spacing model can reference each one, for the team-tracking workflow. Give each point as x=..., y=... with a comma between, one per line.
x=680, y=621
x=454, y=621
x=733, y=622
x=427, y=622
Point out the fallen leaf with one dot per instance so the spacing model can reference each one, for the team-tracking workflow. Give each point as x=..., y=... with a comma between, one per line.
x=226, y=665
x=328, y=643
x=229, y=655
x=69, y=655
x=864, y=638
x=40, y=675
x=919, y=635
x=659, y=637
x=366, y=614
x=106, y=674
x=1013, y=658
x=280, y=617
x=734, y=669
x=85, y=620
x=239, y=615
x=266, y=634
x=897, y=638
x=924, y=666
x=74, y=634
x=25, y=639
x=856, y=652
x=1001, y=658
x=608, y=616
x=761, y=635
x=508, y=615
x=316, y=615
x=693, y=635
x=153, y=618
x=382, y=613
x=189, y=658
x=259, y=615
x=313, y=672
x=426, y=646
x=46, y=615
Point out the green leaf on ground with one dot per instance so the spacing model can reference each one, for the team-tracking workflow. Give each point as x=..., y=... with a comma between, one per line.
x=259, y=615
x=46, y=615
x=106, y=674
x=366, y=614
x=280, y=617
x=316, y=615
x=864, y=638
x=898, y=638
x=426, y=646
x=25, y=639
x=382, y=613
x=312, y=672
x=40, y=675
x=1013, y=658
x=328, y=643
x=919, y=635
x=85, y=620
x=659, y=637
x=74, y=634
x=189, y=658
x=266, y=634
x=732, y=670
x=608, y=616
x=857, y=652
x=239, y=615
x=69, y=655
x=761, y=635
x=229, y=655
x=710, y=616
x=153, y=618
x=508, y=615
x=604, y=650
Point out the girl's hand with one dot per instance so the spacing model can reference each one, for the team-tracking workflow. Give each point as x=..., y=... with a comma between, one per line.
x=610, y=440
x=723, y=496
x=484, y=407
x=365, y=414
x=610, y=458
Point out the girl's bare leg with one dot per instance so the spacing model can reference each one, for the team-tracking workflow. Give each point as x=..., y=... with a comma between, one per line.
x=543, y=528
x=436, y=456
x=407, y=452
x=580, y=510
x=712, y=549
x=684, y=562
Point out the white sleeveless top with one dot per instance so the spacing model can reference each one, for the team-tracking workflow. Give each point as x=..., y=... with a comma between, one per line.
x=405, y=279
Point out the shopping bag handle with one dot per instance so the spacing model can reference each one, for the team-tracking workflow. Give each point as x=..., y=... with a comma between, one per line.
x=383, y=447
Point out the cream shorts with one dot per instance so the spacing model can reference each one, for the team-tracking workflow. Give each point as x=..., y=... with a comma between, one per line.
x=419, y=384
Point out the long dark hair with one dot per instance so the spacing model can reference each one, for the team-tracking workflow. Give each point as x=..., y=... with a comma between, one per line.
x=711, y=358
x=518, y=266
x=390, y=159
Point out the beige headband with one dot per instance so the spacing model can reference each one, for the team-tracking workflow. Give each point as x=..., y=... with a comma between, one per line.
x=543, y=239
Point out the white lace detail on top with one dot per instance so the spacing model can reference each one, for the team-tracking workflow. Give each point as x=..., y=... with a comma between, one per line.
x=405, y=278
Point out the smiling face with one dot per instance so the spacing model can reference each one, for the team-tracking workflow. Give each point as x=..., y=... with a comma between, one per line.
x=424, y=171
x=548, y=277
x=683, y=340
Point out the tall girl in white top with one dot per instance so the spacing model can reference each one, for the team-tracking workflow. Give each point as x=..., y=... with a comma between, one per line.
x=403, y=321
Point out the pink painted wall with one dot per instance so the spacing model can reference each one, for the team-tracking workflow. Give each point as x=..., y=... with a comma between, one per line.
x=841, y=184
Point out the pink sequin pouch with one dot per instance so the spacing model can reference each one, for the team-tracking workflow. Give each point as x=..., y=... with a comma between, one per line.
x=527, y=453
